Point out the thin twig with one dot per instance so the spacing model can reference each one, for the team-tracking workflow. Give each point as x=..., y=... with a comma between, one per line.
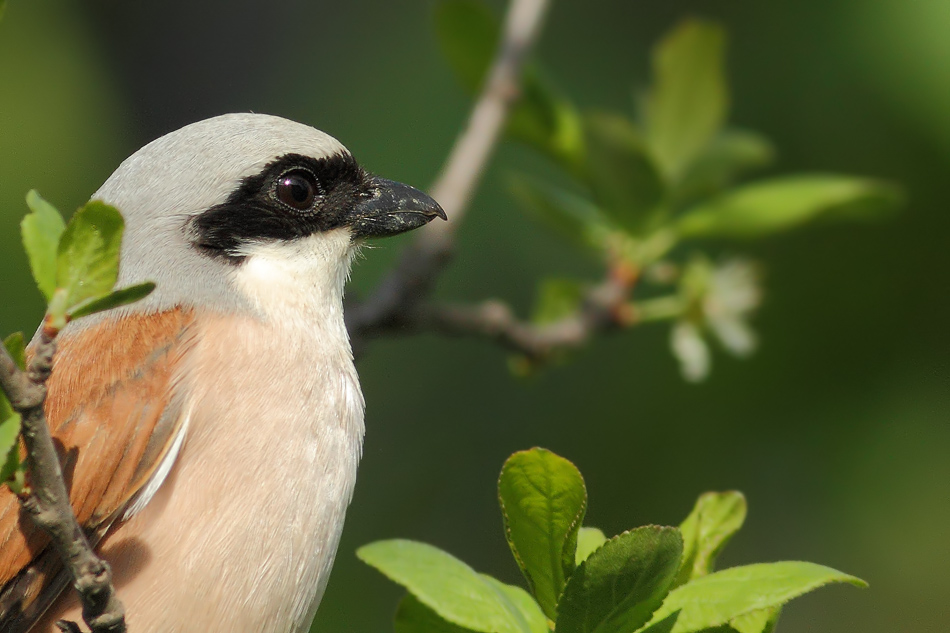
x=414, y=276
x=602, y=310
x=45, y=497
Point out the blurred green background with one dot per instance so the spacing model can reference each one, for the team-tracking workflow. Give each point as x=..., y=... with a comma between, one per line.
x=836, y=430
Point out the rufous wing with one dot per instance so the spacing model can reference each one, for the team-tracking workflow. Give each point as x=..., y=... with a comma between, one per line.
x=114, y=407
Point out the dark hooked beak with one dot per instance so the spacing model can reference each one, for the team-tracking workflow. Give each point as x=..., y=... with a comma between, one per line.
x=392, y=208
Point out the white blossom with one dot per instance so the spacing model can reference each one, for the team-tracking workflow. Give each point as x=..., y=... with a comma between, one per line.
x=724, y=297
x=734, y=294
x=691, y=351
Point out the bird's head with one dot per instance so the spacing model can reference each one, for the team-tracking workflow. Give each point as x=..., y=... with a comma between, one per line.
x=243, y=197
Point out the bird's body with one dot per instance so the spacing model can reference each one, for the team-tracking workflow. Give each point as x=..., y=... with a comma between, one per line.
x=212, y=432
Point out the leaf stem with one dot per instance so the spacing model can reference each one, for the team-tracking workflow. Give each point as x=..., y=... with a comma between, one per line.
x=659, y=309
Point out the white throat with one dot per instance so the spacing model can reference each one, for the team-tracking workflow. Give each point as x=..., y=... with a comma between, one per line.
x=299, y=279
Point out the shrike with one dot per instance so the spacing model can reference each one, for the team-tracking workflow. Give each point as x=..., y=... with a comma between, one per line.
x=210, y=434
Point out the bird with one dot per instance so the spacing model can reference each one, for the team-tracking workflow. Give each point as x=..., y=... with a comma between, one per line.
x=210, y=433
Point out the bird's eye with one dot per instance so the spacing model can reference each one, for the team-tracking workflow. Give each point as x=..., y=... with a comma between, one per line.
x=297, y=190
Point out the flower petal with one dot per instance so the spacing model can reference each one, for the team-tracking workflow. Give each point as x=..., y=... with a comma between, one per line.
x=734, y=288
x=691, y=350
x=735, y=334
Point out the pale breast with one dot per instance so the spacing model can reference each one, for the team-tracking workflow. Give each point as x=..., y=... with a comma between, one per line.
x=241, y=535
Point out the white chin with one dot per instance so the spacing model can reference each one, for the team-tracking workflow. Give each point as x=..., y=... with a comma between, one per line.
x=308, y=272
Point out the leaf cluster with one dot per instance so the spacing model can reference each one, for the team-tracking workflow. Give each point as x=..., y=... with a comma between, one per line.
x=636, y=187
x=651, y=579
x=672, y=167
x=75, y=266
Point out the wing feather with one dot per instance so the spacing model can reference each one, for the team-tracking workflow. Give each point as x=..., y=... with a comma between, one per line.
x=114, y=407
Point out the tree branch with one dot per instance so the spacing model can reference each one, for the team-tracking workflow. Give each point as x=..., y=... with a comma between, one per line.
x=411, y=281
x=45, y=497
x=396, y=300
x=603, y=309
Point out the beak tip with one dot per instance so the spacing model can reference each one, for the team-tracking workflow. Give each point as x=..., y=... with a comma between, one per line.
x=394, y=208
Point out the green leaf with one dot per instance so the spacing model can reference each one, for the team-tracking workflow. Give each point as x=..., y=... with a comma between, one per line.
x=761, y=621
x=16, y=345
x=547, y=121
x=414, y=617
x=619, y=586
x=6, y=409
x=114, y=299
x=620, y=171
x=446, y=585
x=719, y=598
x=663, y=626
x=713, y=521
x=10, y=427
x=9, y=447
x=87, y=264
x=468, y=33
x=543, y=500
x=730, y=155
x=780, y=204
x=557, y=299
x=526, y=605
x=687, y=103
x=41, y=230
x=570, y=214
x=589, y=540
